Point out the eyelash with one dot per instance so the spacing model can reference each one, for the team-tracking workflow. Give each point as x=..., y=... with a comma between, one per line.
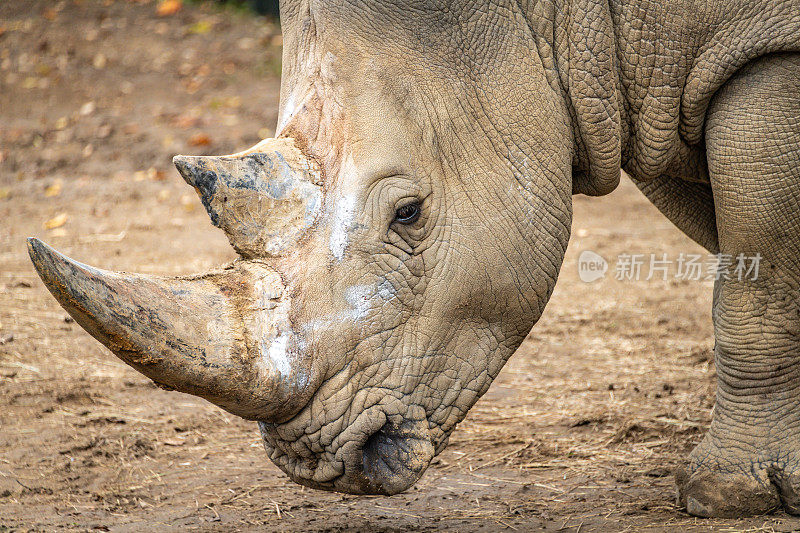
x=408, y=214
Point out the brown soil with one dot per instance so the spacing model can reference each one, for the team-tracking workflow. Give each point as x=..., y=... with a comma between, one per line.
x=581, y=431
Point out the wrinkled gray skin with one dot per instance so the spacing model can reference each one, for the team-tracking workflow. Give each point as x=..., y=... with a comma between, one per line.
x=373, y=338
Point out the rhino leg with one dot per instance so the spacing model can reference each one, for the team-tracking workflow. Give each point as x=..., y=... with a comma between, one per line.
x=749, y=462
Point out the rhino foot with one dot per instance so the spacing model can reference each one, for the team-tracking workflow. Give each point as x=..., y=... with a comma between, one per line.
x=727, y=484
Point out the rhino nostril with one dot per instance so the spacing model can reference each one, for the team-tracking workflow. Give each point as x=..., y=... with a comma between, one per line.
x=382, y=452
x=395, y=456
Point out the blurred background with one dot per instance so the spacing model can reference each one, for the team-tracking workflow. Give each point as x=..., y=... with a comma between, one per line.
x=84, y=83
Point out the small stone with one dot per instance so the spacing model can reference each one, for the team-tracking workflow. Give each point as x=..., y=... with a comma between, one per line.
x=188, y=202
x=99, y=61
x=87, y=109
x=246, y=43
x=104, y=131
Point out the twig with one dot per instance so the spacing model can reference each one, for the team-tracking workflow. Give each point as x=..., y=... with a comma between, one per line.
x=509, y=454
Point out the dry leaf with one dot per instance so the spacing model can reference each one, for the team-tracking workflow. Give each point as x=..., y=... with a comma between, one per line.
x=4, y=193
x=200, y=27
x=168, y=7
x=54, y=189
x=55, y=222
x=154, y=174
x=199, y=139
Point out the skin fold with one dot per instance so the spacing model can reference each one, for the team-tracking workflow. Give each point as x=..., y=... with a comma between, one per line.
x=360, y=338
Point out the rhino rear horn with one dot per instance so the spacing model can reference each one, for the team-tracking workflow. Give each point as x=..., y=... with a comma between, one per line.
x=264, y=198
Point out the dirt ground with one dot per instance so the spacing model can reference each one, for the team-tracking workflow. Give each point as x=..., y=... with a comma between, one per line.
x=580, y=432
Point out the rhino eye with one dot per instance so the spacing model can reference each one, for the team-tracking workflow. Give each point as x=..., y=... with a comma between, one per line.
x=408, y=214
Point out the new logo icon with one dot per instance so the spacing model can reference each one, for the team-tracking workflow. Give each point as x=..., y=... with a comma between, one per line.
x=591, y=266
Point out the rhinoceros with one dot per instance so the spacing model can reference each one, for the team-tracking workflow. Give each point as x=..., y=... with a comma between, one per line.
x=402, y=233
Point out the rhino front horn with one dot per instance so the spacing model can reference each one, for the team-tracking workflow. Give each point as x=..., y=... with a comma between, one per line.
x=223, y=336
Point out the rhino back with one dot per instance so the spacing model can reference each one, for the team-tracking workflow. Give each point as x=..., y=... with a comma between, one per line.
x=673, y=56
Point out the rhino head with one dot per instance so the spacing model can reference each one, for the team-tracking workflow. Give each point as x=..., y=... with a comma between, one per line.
x=398, y=240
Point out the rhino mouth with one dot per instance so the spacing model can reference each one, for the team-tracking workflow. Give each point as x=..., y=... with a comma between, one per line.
x=379, y=454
